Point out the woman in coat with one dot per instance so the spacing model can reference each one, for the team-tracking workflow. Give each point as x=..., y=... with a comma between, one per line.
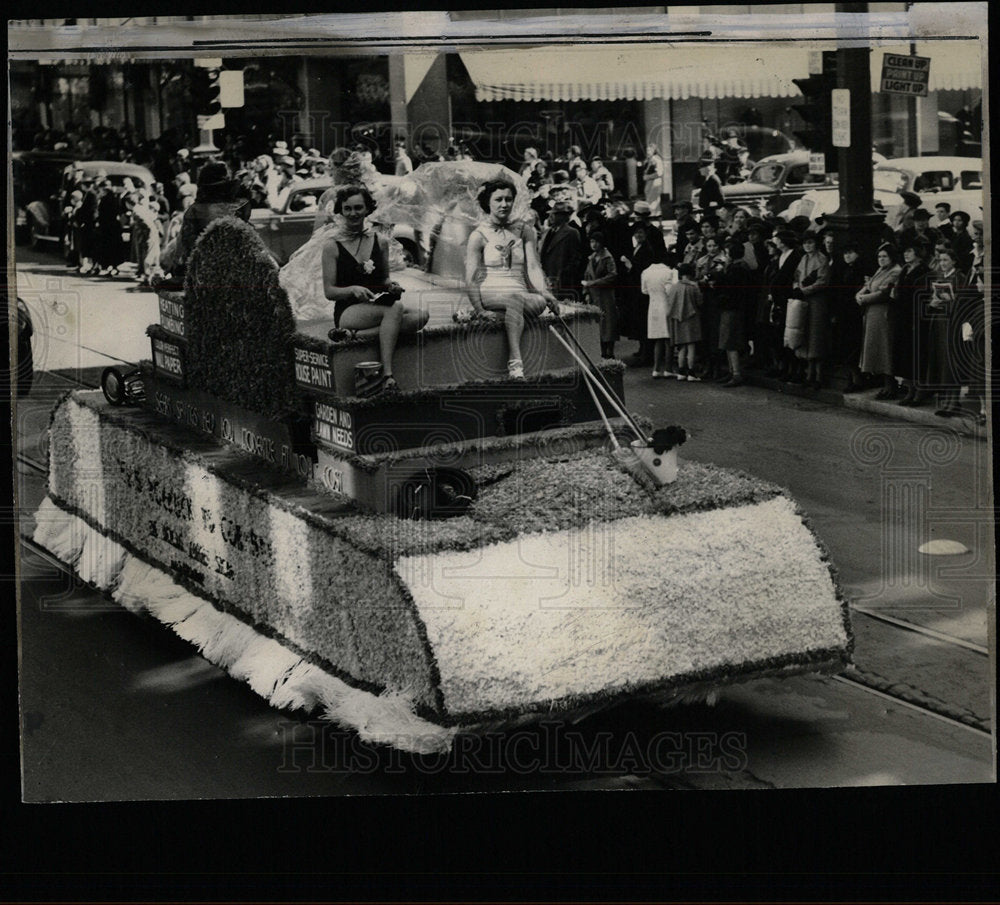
x=110, y=250
x=598, y=283
x=736, y=294
x=708, y=271
x=874, y=298
x=848, y=278
x=909, y=336
x=636, y=314
x=683, y=307
x=945, y=312
x=812, y=283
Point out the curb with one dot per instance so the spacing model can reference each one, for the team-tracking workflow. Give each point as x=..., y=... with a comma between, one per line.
x=865, y=401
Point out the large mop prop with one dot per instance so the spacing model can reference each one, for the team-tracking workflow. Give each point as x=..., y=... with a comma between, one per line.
x=656, y=456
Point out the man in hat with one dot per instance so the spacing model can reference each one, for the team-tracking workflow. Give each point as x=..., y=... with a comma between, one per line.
x=710, y=195
x=217, y=197
x=643, y=213
x=684, y=213
x=921, y=231
x=903, y=214
x=561, y=252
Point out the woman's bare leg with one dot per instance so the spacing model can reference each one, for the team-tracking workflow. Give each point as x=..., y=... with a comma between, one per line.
x=388, y=334
x=515, y=307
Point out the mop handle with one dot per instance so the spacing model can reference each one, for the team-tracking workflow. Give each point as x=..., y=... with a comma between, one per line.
x=593, y=368
x=615, y=404
x=601, y=412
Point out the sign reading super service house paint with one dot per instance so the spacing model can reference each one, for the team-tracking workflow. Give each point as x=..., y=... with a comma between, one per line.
x=908, y=75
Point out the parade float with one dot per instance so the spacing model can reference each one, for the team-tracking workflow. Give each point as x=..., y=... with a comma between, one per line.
x=471, y=551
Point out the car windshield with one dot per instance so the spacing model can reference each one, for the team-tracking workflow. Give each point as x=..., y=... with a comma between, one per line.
x=767, y=173
x=800, y=175
x=887, y=179
x=306, y=200
x=118, y=180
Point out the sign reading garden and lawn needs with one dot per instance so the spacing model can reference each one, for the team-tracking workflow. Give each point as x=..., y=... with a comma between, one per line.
x=905, y=74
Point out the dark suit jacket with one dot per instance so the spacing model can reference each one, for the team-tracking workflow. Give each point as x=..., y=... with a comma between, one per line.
x=710, y=194
x=780, y=283
x=562, y=258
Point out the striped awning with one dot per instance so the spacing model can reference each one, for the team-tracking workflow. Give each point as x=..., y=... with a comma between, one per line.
x=628, y=72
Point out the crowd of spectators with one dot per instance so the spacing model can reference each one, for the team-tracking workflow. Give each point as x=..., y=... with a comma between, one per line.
x=767, y=295
x=793, y=301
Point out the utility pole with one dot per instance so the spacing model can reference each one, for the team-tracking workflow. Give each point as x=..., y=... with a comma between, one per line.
x=912, y=103
x=856, y=218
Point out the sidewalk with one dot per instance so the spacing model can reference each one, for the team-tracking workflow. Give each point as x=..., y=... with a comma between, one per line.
x=865, y=401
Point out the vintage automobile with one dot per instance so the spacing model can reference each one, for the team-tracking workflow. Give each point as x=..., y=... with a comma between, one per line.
x=775, y=181
x=45, y=213
x=284, y=231
x=956, y=180
x=37, y=182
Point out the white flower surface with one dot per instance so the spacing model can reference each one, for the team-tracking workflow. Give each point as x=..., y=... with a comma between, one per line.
x=625, y=603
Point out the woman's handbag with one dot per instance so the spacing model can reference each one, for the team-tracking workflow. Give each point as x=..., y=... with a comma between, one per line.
x=796, y=325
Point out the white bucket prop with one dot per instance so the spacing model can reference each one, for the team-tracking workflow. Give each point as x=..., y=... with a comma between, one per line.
x=662, y=467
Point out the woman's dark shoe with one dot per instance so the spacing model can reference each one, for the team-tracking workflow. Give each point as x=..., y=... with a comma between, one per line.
x=733, y=382
x=885, y=393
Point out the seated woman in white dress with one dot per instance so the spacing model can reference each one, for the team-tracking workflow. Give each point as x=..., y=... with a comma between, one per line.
x=501, y=262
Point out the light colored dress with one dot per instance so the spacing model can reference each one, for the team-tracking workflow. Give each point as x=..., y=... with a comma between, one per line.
x=876, y=350
x=654, y=282
x=503, y=259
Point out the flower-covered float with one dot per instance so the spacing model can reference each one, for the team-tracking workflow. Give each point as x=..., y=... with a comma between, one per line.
x=461, y=554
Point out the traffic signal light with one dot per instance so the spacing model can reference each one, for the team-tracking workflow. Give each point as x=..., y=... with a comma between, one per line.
x=816, y=110
x=205, y=91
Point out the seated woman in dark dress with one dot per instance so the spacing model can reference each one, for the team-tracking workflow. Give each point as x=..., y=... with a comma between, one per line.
x=356, y=279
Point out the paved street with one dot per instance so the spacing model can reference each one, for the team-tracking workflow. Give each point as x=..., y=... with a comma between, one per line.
x=115, y=707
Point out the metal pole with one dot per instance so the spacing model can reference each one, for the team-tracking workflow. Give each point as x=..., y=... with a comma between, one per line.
x=856, y=218
x=912, y=133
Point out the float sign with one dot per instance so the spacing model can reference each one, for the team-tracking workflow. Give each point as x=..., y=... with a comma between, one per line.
x=906, y=75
